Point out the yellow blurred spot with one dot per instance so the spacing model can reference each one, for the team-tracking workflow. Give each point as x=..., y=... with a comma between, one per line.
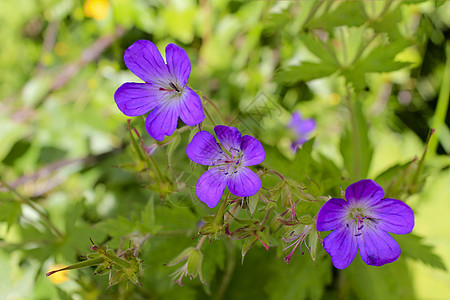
x=59, y=277
x=61, y=48
x=334, y=98
x=97, y=9
x=92, y=83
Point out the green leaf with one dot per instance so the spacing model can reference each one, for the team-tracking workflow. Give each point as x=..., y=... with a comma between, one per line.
x=348, y=13
x=10, y=210
x=305, y=72
x=413, y=247
x=381, y=59
x=319, y=49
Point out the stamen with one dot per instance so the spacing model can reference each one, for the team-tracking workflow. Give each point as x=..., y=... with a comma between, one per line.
x=174, y=87
x=358, y=234
x=361, y=227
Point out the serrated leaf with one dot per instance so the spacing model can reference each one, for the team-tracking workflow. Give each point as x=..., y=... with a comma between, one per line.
x=413, y=247
x=319, y=49
x=382, y=58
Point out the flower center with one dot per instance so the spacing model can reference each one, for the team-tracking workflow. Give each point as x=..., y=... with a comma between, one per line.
x=172, y=88
x=230, y=160
x=358, y=218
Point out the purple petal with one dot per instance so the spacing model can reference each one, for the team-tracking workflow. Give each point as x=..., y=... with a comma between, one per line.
x=366, y=192
x=332, y=214
x=135, y=99
x=190, y=107
x=162, y=121
x=341, y=245
x=377, y=247
x=244, y=182
x=393, y=216
x=178, y=63
x=203, y=149
x=252, y=151
x=229, y=137
x=210, y=186
x=145, y=61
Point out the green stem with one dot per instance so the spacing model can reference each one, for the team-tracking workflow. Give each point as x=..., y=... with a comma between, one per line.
x=209, y=116
x=26, y=201
x=442, y=104
x=221, y=212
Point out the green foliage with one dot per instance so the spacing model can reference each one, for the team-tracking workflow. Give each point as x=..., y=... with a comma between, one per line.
x=71, y=169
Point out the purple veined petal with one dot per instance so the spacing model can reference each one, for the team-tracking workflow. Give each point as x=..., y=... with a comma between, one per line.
x=135, y=99
x=252, y=151
x=342, y=246
x=145, y=61
x=365, y=192
x=229, y=137
x=377, y=247
x=244, y=182
x=332, y=214
x=162, y=121
x=178, y=63
x=393, y=216
x=210, y=186
x=203, y=149
x=190, y=108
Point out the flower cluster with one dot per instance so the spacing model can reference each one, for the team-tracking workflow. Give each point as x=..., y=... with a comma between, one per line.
x=361, y=222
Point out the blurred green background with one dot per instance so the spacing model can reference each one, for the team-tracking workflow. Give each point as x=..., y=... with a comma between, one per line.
x=64, y=142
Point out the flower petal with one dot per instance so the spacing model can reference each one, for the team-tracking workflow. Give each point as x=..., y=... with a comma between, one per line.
x=252, y=151
x=377, y=247
x=332, y=214
x=365, y=192
x=229, y=137
x=341, y=245
x=135, y=99
x=190, y=107
x=244, y=182
x=178, y=63
x=162, y=121
x=210, y=186
x=203, y=149
x=393, y=216
x=145, y=61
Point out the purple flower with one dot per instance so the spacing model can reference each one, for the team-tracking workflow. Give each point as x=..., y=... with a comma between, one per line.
x=363, y=222
x=302, y=129
x=229, y=163
x=164, y=92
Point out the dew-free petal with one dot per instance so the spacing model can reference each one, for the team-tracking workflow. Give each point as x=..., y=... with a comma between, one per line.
x=342, y=246
x=332, y=214
x=228, y=136
x=190, y=108
x=244, y=182
x=162, y=121
x=252, y=151
x=210, y=186
x=393, y=216
x=365, y=192
x=203, y=149
x=178, y=64
x=135, y=99
x=145, y=61
x=377, y=247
